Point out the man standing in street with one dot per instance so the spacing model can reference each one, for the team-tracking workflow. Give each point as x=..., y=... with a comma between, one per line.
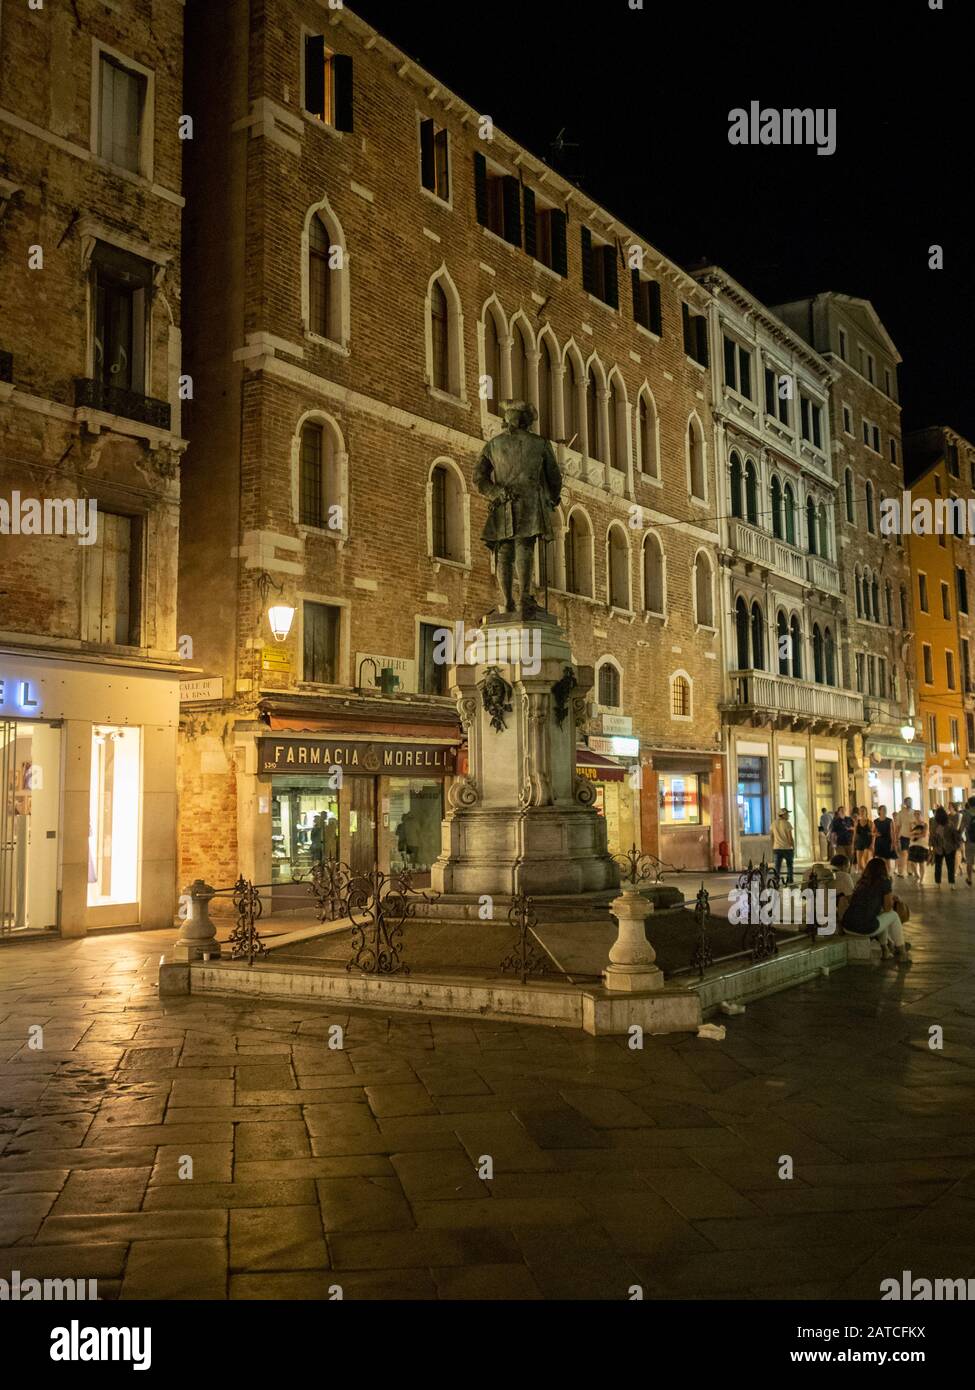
x=783, y=844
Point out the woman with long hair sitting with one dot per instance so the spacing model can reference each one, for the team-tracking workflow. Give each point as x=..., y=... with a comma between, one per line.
x=871, y=910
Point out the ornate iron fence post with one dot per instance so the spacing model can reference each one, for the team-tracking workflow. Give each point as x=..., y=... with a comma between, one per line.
x=328, y=883
x=703, y=955
x=637, y=867
x=759, y=938
x=245, y=939
x=524, y=959
x=379, y=905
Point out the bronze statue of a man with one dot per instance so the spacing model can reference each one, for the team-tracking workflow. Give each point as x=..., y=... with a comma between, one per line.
x=520, y=476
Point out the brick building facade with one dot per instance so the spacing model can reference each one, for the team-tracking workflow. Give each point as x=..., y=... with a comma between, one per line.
x=90, y=211
x=387, y=276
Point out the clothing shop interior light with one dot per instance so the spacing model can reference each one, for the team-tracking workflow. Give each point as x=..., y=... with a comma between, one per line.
x=280, y=616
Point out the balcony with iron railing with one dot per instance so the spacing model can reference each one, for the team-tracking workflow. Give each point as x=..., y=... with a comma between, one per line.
x=116, y=400
x=764, y=693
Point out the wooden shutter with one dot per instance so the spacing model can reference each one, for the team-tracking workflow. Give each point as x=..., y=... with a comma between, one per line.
x=701, y=327
x=588, y=279
x=656, y=315
x=315, y=74
x=688, y=333
x=528, y=208
x=635, y=281
x=610, y=277
x=342, y=77
x=511, y=202
x=427, y=175
x=560, y=250
x=480, y=189
x=441, y=159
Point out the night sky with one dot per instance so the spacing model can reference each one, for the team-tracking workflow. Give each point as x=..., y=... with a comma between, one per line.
x=646, y=96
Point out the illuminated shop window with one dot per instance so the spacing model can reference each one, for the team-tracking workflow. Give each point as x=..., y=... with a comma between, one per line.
x=680, y=799
x=114, y=818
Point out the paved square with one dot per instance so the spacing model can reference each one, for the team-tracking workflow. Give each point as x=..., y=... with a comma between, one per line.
x=218, y=1148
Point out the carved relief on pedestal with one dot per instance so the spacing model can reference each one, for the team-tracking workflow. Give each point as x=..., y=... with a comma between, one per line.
x=462, y=794
x=584, y=791
x=536, y=789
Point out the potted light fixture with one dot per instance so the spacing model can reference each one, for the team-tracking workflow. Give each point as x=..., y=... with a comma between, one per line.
x=280, y=616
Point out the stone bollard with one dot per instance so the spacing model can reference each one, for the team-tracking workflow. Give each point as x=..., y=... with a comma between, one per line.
x=631, y=957
x=198, y=936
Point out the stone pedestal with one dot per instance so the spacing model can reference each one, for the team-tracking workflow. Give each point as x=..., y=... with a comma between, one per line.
x=631, y=958
x=521, y=821
x=198, y=936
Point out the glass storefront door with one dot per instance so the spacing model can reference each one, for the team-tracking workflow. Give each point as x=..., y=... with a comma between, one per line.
x=304, y=826
x=30, y=795
x=412, y=816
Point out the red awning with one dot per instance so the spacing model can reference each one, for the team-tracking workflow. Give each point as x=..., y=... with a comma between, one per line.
x=600, y=768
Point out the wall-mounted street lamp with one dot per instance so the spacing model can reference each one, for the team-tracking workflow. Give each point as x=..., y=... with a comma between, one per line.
x=908, y=732
x=280, y=616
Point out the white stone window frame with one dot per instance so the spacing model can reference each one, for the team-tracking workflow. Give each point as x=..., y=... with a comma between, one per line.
x=681, y=674
x=519, y=323
x=654, y=479
x=607, y=659
x=343, y=304
x=440, y=561
x=619, y=471
x=596, y=469
x=147, y=125
x=577, y=451
x=317, y=416
x=695, y=498
x=344, y=659
x=572, y=593
x=455, y=340
x=627, y=610
x=651, y=533
x=751, y=351
x=491, y=424
x=698, y=625
x=547, y=336
x=90, y=232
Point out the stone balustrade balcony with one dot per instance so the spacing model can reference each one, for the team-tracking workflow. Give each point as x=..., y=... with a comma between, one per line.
x=767, y=698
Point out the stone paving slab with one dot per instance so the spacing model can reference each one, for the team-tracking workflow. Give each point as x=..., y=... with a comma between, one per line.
x=364, y=1168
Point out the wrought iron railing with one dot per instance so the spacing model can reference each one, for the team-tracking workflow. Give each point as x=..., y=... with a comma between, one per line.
x=527, y=956
x=637, y=867
x=115, y=400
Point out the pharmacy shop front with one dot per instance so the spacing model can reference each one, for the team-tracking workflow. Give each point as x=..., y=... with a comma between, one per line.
x=364, y=801
x=87, y=794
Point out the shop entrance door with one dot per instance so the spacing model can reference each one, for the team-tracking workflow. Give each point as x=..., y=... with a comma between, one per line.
x=363, y=849
x=30, y=768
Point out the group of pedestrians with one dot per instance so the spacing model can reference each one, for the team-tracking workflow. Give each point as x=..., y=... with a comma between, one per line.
x=910, y=839
x=877, y=849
